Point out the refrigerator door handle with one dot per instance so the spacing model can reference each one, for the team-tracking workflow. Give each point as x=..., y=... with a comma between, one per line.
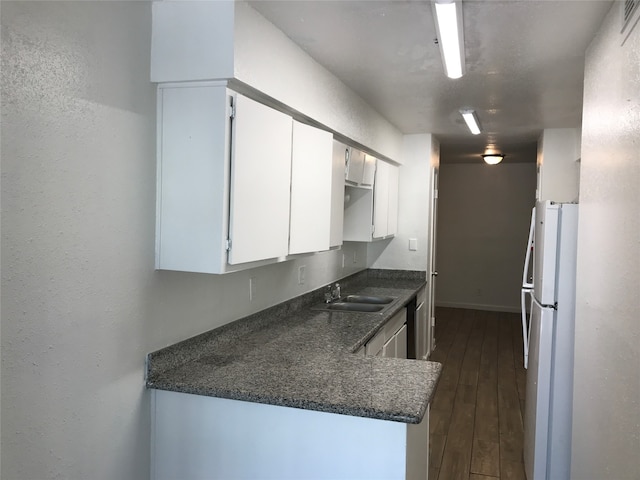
x=526, y=323
x=527, y=258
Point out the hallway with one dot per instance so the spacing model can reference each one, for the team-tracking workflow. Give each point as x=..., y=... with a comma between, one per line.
x=476, y=415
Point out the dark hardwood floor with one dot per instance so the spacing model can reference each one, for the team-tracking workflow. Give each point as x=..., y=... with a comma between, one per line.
x=476, y=414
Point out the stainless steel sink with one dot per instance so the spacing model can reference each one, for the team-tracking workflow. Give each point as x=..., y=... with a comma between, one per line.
x=372, y=299
x=353, y=307
x=357, y=303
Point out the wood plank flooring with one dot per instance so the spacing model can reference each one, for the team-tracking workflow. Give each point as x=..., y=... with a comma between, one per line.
x=476, y=414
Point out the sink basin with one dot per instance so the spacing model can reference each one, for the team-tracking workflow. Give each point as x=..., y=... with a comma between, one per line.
x=351, y=306
x=371, y=299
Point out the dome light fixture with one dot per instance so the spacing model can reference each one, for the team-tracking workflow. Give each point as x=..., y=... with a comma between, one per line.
x=493, y=158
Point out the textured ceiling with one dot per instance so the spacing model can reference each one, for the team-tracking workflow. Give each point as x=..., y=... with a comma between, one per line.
x=524, y=65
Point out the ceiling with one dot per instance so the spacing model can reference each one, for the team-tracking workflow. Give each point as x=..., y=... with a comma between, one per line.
x=524, y=65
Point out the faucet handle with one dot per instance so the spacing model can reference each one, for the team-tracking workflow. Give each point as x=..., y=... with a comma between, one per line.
x=328, y=295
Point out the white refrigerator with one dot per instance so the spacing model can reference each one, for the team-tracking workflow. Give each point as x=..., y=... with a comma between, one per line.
x=549, y=390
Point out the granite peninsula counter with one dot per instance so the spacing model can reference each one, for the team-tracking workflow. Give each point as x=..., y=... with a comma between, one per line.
x=292, y=356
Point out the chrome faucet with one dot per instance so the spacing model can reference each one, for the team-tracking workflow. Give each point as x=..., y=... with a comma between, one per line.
x=332, y=294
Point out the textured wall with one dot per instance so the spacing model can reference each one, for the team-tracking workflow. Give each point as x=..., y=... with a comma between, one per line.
x=297, y=80
x=81, y=302
x=483, y=223
x=413, y=204
x=606, y=428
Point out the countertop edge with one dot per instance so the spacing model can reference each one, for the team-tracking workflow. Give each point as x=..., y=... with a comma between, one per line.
x=162, y=363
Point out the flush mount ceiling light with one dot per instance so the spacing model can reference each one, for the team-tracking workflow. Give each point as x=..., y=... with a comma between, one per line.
x=448, y=15
x=471, y=120
x=493, y=158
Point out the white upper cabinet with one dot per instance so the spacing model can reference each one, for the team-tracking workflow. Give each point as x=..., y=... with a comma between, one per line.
x=381, y=200
x=311, y=189
x=223, y=182
x=373, y=214
x=337, y=194
x=240, y=184
x=260, y=182
x=385, y=201
x=354, y=165
x=368, y=171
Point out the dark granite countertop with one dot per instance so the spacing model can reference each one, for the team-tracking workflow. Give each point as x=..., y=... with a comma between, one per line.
x=293, y=356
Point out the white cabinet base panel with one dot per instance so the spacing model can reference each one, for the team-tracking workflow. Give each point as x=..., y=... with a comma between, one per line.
x=198, y=437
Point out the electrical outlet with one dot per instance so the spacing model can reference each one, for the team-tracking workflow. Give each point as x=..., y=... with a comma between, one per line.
x=343, y=258
x=252, y=288
x=301, y=274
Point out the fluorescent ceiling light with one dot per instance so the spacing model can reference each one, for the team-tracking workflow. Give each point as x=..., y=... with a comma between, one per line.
x=471, y=121
x=448, y=15
x=493, y=158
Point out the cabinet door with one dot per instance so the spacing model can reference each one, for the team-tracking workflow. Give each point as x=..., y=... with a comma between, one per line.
x=401, y=342
x=392, y=212
x=421, y=331
x=369, y=171
x=358, y=206
x=375, y=346
x=355, y=166
x=389, y=349
x=337, y=195
x=311, y=175
x=193, y=169
x=260, y=182
x=381, y=200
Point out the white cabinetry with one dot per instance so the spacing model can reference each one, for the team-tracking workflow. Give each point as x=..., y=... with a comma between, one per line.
x=240, y=184
x=354, y=165
x=369, y=171
x=385, y=201
x=373, y=214
x=197, y=437
x=391, y=341
x=360, y=168
x=200, y=187
x=423, y=332
x=311, y=189
x=337, y=194
x=260, y=182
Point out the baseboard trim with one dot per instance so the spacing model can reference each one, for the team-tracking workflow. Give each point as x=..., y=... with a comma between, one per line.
x=477, y=306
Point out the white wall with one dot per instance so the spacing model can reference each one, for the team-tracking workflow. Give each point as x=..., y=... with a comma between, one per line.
x=81, y=302
x=264, y=56
x=483, y=223
x=606, y=421
x=250, y=49
x=413, y=208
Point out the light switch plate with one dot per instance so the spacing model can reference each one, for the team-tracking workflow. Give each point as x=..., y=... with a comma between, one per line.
x=413, y=244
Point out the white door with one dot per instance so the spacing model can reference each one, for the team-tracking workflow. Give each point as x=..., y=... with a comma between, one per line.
x=401, y=342
x=536, y=417
x=311, y=172
x=545, y=245
x=381, y=200
x=337, y=194
x=260, y=182
x=431, y=267
x=392, y=213
x=369, y=170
